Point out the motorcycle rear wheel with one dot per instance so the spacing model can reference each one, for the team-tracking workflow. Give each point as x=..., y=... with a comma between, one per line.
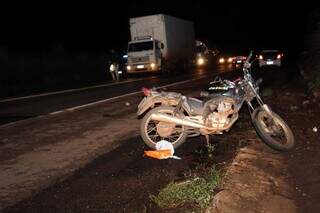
x=273, y=130
x=149, y=129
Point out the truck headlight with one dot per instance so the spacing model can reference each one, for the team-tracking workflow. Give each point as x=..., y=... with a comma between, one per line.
x=152, y=65
x=129, y=67
x=200, y=61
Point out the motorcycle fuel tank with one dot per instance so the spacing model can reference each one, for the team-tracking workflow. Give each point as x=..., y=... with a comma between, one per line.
x=220, y=88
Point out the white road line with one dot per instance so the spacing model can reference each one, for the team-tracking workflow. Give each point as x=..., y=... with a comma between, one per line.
x=57, y=112
x=73, y=90
x=128, y=94
x=101, y=101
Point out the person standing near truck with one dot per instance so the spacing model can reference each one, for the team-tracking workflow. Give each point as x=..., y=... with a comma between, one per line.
x=114, y=66
x=114, y=71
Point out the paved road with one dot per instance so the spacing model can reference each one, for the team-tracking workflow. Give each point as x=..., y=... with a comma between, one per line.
x=16, y=109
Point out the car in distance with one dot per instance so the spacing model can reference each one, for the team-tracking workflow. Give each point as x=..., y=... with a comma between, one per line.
x=270, y=58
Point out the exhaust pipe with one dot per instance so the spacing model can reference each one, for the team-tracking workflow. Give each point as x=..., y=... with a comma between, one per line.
x=171, y=119
x=184, y=122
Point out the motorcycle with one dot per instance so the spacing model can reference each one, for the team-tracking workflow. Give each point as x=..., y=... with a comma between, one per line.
x=174, y=117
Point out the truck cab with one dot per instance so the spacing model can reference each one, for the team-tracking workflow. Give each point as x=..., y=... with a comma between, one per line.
x=202, y=53
x=144, y=55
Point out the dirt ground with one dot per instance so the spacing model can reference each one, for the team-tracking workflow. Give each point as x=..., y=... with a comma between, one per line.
x=304, y=162
x=257, y=179
x=302, y=112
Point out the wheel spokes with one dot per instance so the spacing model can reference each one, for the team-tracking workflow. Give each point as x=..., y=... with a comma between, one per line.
x=152, y=129
x=155, y=137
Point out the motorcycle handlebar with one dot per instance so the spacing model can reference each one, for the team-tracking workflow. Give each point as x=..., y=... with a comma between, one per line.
x=250, y=56
x=247, y=63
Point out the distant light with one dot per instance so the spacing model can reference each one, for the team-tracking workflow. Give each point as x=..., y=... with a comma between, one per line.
x=200, y=61
x=261, y=57
x=278, y=56
x=125, y=56
x=128, y=67
x=221, y=60
x=229, y=60
x=153, y=65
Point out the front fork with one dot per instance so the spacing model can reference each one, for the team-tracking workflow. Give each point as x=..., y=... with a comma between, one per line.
x=262, y=105
x=253, y=110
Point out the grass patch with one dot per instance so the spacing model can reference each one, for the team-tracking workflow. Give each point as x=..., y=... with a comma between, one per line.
x=211, y=150
x=196, y=190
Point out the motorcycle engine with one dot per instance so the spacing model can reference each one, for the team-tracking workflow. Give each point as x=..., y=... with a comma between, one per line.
x=218, y=112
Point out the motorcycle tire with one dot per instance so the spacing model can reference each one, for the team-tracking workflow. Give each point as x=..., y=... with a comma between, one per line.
x=267, y=133
x=146, y=121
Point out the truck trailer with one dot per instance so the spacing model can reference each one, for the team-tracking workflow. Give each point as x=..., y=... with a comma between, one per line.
x=159, y=43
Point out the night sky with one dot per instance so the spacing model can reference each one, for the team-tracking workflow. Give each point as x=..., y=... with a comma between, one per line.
x=105, y=27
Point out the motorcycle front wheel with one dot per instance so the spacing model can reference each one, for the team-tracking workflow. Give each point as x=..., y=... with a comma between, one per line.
x=154, y=131
x=273, y=130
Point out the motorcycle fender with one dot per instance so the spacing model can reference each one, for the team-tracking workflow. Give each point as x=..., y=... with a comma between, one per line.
x=149, y=103
x=254, y=113
x=264, y=107
x=146, y=104
x=142, y=109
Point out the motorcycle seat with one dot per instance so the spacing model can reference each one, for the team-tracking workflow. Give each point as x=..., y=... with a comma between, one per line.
x=195, y=106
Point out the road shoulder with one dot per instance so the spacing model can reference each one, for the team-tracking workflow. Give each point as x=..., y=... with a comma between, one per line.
x=256, y=181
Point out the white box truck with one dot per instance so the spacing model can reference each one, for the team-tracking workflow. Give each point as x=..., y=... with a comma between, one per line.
x=159, y=42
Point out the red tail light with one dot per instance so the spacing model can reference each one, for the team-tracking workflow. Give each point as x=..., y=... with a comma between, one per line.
x=237, y=80
x=278, y=56
x=146, y=91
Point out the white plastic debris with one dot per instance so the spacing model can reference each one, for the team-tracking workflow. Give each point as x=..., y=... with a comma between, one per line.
x=164, y=150
x=163, y=144
x=166, y=145
x=315, y=129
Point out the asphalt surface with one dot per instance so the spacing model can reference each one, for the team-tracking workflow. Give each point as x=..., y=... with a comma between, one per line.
x=21, y=108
